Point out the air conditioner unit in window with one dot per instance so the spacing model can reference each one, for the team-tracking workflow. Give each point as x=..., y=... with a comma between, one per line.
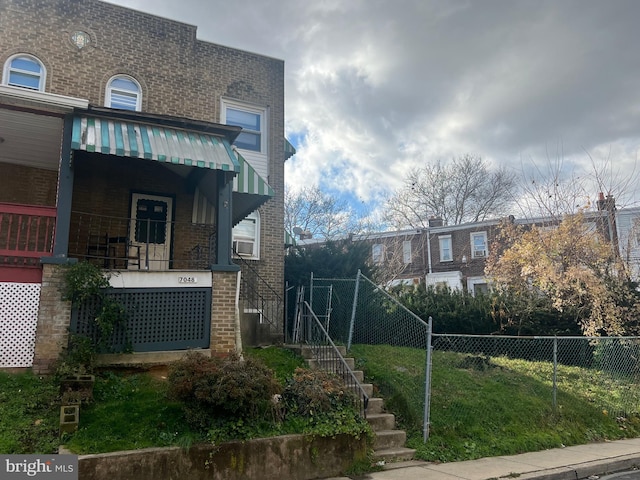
x=243, y=247
x=480, y=253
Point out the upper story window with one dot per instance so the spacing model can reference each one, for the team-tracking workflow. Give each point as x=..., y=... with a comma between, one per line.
x=479, y=245
x=246, y=237
x=406, y=251
x=24, y=71
x=446, y=254
x=377, y=253
x=123, y=92
x=252, y=120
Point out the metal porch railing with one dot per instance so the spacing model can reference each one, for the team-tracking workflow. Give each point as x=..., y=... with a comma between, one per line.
x=124, y=243
x=261, y=297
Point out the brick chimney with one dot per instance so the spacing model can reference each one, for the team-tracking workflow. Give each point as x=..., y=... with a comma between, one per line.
x=435, y=222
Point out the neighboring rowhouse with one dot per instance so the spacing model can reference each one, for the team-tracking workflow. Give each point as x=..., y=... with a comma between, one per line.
x=437, y=255
x=455, y=255
x=128, y=142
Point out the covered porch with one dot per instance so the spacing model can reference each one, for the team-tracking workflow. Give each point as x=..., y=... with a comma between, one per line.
x=150, y=199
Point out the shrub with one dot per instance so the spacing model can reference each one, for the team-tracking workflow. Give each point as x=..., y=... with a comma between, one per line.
x=312, y=392
x=211, y=388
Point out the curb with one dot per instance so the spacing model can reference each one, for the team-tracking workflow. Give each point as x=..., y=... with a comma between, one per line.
x=585, y=470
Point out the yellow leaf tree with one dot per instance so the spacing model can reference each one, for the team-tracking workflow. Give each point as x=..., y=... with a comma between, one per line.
x=572, y=267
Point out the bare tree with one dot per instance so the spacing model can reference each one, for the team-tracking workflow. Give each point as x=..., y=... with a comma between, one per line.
x=464, y=190
x=319, y=214
x=554, y=188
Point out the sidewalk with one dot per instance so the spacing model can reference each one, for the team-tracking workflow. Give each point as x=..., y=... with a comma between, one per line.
x=573, y=463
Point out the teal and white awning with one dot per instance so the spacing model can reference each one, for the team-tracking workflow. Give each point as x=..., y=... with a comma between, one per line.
x=250, y=190
x=249, y=181
x=153, y=142
x=289, y=150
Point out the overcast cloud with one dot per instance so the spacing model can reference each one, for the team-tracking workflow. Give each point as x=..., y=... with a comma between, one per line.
x=374, y=87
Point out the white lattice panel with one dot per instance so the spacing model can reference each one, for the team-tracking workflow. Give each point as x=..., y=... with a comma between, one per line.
x=18, y=319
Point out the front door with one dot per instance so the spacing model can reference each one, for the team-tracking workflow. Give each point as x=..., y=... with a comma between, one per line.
x=151, y=230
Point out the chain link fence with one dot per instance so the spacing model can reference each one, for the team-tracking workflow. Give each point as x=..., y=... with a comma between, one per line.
x=357, y=312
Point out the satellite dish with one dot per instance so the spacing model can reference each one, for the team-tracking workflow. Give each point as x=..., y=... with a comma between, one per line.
x=297, y=230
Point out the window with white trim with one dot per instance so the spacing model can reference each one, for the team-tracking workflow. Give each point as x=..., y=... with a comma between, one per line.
x=406, y=251
x=252, y=140
x=478, y=285
x=446, y=253
x=24, y=71
x=377, y=253
x=252, y=120
x=479, y=245
x=123, y=92
x=246, y=237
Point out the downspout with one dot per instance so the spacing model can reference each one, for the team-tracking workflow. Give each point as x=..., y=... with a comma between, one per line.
x=237, y=315
x=428, y=251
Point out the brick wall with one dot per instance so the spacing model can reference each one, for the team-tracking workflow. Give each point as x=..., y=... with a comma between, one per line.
x=28, y=186
x=223, y=310
x=54, y=317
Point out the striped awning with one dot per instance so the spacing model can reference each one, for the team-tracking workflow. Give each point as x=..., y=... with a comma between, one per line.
x=248, y=180
x=153, y=142
x=289, y=150
x=250, y=190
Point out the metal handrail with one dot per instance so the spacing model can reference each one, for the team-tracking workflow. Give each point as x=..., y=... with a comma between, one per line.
x=259, y=301
x=326, y=353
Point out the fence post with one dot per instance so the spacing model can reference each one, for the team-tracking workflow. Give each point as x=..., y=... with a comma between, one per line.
x=555, y=373
x=427, y=386
x=353, y=311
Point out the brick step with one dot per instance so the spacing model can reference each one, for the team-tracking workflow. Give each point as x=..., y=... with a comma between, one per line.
x=386, y=439
x=381, y=421
x=392, y=455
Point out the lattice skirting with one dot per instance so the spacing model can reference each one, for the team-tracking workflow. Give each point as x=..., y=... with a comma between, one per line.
x=157, y=319
x=18, y=320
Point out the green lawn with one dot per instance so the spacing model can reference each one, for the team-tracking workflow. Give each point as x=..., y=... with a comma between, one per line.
x=500, y=406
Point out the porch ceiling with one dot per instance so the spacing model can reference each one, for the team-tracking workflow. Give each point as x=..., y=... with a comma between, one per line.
x=30, y=139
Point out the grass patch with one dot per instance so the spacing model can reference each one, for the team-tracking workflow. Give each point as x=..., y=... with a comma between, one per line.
x=130, y=412
x=29, y=414
x=282, y=361
x=487, y=407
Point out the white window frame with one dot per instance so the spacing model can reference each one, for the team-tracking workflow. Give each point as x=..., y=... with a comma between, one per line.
x=8, y=69
x=406, y=251
x=110, y=89
x=259, y=160
x=479, y=253
x=377, y=253
x=473, y=281
x=442, y=239
x=241, y=240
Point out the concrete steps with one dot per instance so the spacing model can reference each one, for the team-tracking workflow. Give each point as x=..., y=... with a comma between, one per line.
x=389, y=443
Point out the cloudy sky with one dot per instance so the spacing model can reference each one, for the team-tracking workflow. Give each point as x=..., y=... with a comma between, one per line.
x=375, y=87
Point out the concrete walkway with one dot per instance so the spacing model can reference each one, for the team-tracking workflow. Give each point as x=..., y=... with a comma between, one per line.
x=581, y=461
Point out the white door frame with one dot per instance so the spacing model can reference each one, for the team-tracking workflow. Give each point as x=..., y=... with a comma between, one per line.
x=153, y=256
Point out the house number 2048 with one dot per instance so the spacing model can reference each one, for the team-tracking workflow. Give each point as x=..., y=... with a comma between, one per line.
x=187, y=280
